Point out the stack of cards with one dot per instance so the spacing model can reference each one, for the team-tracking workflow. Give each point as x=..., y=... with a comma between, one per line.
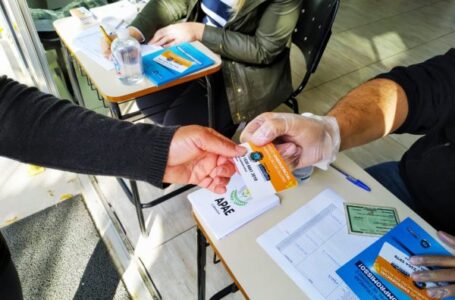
x=222, y=214
x=262, y=173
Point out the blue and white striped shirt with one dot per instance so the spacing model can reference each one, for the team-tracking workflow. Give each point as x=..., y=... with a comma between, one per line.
x=217, y=12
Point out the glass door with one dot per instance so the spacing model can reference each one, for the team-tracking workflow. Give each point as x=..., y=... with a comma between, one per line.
x=22, y=55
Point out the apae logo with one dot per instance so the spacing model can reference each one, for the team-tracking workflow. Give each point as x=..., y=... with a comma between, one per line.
x=241, y=197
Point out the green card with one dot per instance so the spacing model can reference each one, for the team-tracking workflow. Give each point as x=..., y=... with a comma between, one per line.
x=370, y=220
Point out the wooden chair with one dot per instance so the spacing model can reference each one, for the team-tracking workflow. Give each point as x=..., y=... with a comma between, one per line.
x=311, y=35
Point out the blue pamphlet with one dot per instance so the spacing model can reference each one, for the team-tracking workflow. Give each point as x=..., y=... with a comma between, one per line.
x=382, y=271
x=174, y=62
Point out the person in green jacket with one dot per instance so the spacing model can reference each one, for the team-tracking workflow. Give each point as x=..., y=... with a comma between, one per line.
x=253, y=39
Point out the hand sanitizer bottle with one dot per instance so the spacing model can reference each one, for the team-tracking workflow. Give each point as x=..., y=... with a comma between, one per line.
x=126, y=54
x=303, y=174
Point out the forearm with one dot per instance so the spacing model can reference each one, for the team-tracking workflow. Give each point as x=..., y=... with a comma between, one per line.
x=371, y=111
x=41, y=129
x=240, y=47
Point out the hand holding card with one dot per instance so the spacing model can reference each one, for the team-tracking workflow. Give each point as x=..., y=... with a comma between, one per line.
x=264, y=171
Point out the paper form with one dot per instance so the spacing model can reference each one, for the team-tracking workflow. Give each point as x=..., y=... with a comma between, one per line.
x=89, y=42
x=312, y=243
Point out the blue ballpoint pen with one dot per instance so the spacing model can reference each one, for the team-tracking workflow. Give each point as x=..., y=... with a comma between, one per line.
x=352, y=179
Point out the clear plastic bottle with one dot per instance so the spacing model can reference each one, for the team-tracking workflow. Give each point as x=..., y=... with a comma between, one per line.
x=303, y=174
x=126, y=54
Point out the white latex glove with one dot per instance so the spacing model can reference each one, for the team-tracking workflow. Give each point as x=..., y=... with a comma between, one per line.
x=303, y=140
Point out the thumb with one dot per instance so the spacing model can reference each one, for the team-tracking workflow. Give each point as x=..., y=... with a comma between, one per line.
x=220, y=145
x=269, y=131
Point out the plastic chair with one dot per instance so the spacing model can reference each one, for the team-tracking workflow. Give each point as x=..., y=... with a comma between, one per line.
x=311, y=35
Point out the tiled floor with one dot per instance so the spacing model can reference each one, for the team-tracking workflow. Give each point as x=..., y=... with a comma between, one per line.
x=369, y=37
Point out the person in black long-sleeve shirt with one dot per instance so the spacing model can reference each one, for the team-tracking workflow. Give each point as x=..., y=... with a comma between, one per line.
x=38, y=128
x=419, y=99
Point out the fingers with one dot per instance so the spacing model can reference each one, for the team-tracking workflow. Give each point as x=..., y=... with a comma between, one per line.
x=434, y=275
x=442, y=292
x=251, y=128
x=224, y=170
x=267, y=128
x=219, y=185
x=216, y=185
x=447, y=238
x=159, y=34
x=164, y=41
x=433, y=260
x=161, y=37
x=213, y=142
x=290, y=152
x=105, y=48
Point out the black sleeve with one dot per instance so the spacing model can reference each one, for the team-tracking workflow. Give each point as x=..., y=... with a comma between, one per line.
x=430, y=89
x=41, y=129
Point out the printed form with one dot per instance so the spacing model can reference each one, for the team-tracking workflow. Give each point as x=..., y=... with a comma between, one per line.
x=89, y=42
x=312, y=243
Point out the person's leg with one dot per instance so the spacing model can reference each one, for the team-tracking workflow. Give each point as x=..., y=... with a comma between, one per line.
x=10, y=285
x=388, y=174
x=191, y=108
x=156, y=105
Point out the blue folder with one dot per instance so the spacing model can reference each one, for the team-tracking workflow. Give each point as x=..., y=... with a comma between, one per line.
x=363, y=278
x=160, y=74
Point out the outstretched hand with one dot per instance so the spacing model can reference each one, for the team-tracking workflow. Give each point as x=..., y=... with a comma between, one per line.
x=201, y=156
x=447, y=273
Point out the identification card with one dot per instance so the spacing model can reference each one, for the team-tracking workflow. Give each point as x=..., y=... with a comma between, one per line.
x=395, y=267
x=370, y=220
x=173, y=61
x=264, y=171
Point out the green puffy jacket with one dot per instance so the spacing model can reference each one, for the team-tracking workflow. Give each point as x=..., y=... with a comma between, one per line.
x=254, y=46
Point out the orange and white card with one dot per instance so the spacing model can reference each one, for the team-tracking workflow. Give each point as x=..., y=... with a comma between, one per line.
x=395, y=267
x=173, y=61
x=264, y=171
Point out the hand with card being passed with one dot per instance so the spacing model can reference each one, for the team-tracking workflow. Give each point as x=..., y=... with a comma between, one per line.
x=303, y=140
x=445, y=273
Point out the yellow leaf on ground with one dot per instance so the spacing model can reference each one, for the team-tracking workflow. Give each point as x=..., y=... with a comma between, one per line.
x=10, y=220
x=65, y=197
x=35, y=170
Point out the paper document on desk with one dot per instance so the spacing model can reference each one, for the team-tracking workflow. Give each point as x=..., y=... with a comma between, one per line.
x=312, y=243
x=89, y=42
x=223, y=214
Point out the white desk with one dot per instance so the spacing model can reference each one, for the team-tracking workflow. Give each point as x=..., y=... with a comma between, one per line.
x=253, y=270
x=109, y=88
x=105, y=81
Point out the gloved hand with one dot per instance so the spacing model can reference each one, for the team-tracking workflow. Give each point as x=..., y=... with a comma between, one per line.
x=303, y=140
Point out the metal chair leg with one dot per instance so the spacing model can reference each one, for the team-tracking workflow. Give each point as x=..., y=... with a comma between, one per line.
x=79, y=98
x=232, y=288
x=201, y=261
x=293, y=104
x=137, y=204
x=215, y=259
x=210, y=103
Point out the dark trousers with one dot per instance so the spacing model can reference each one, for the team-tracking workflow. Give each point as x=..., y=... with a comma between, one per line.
x=388, y=174
x=186, y=104
x=10, y=286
